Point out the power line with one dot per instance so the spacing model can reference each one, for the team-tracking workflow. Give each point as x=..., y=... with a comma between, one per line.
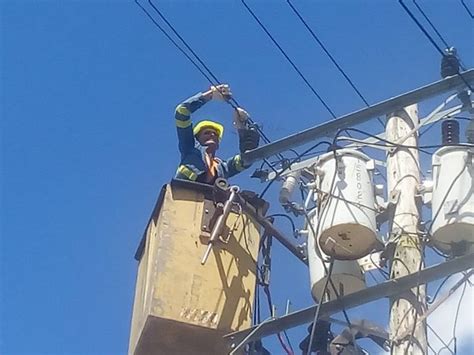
x=431, y=23
x=295, y=67
x=163, y=17
x=428, y=36
x=216, y=80
x=262, y=134
x=174, y=42
x=436, y=30
x=467, y=9
x=183, y=41
x=420, y=26
x=330, y=56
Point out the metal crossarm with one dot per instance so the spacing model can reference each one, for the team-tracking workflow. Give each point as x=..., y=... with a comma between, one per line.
x=382, y=108
x=386, y=289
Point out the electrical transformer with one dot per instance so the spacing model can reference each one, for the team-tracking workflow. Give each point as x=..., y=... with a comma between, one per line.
x=347, y=226
x=452, y=226
x=347, y=276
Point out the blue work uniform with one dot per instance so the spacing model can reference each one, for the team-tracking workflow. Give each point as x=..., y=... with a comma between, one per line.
x=193, y=165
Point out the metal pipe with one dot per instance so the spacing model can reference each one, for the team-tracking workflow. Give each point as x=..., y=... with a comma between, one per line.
x=217, y=229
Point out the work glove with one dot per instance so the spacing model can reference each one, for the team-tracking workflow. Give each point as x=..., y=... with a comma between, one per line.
x=221, y=92
x=249, y=139
x=240, y=118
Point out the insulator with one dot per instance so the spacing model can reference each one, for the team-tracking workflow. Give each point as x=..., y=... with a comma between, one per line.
x=449, y=63
x=450, y=132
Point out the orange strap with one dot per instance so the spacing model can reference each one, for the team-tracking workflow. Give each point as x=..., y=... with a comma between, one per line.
x=211, y=167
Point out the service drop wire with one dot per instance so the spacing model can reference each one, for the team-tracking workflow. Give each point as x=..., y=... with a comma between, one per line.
x=289, y=166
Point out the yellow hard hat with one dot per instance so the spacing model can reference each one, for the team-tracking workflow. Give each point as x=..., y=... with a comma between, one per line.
x=209, y=124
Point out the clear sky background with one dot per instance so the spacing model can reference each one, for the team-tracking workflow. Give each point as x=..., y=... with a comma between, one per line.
x=88, y=90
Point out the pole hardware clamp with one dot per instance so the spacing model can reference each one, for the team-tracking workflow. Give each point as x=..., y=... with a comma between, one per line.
x=219, y=224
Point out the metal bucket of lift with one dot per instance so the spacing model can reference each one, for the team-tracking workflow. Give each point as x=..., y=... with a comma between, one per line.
x=347, y=228
x=347, y=276
x=452, y=226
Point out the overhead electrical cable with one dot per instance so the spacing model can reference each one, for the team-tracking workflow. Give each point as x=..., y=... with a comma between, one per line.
x=212, y=82
x=233, y=102
x=435, y=30
x=428, y=36
x=174, y=42
x=420, y=26
x=295, y=67
x=330, y=56
x=431, y=23
x=467, y=9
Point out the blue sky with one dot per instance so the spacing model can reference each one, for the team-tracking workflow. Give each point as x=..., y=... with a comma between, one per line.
x=88, y=90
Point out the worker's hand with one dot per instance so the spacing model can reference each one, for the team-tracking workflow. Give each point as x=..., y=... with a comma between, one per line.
x=240, y=118
x=221, y=92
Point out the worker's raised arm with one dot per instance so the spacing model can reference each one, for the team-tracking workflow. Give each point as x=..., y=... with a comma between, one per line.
x=185, y=109
x=249, y=139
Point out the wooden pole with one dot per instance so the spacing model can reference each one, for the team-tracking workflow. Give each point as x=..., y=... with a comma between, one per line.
x=403, y=179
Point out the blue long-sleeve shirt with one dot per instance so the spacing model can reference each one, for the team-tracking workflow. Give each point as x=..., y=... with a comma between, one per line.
x=193, y=164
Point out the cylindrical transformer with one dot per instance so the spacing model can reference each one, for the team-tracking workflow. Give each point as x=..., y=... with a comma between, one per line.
x=347, y=276
x=347, y=228
x=452, y=226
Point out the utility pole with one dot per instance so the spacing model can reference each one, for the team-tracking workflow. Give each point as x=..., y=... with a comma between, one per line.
x=403, y=179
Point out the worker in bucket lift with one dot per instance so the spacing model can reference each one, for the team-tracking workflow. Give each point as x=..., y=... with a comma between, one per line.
x=198, y=145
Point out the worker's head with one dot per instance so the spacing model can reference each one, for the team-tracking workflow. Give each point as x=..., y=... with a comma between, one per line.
x=209, y=133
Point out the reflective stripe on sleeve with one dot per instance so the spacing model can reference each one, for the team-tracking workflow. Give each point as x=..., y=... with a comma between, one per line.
x=184, y=170
x=238, y=163
x=182, y=110
x=183, y=124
